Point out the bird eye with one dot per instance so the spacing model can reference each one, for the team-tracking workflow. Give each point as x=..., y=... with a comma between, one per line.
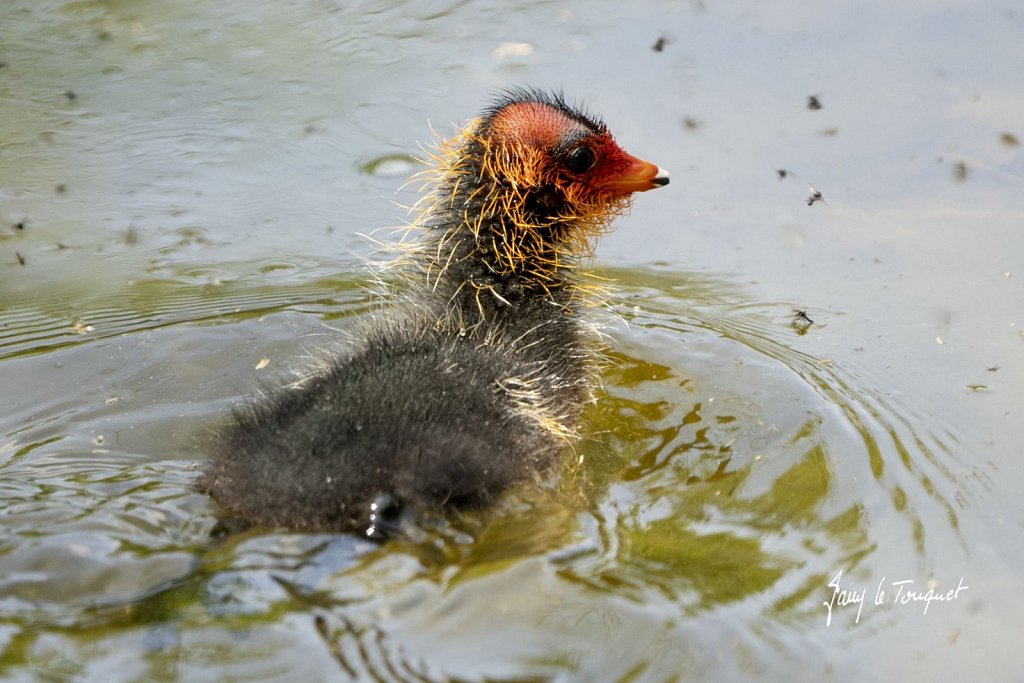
x=581, y=159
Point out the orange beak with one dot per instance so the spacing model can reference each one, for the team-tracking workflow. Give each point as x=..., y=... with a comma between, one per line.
x=636, y=175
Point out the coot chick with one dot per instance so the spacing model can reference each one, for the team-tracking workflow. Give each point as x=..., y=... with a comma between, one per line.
x=473, y=380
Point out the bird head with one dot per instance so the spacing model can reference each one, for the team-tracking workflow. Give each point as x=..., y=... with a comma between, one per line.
x=533, y=181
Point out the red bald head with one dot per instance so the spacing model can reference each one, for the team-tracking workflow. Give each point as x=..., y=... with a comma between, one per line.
x=564, y=147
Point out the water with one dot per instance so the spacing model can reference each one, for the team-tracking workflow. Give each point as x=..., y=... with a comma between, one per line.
x=184, y=194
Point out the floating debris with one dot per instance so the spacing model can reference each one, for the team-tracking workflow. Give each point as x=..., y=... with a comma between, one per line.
x=938, y=340
x=828, y=132
x=21, y=259
x=783, y=173
x=264, y=362
x=977, y=388
x=815, y=196
x=692, y=123
x=814, y=103
x=994, y=368
x=506, y=50
x=660, y=43
x=1009, y=139
x=390, y=165
x=801, y=321
x=81, y=328
x=70, y=95
x=960, y=171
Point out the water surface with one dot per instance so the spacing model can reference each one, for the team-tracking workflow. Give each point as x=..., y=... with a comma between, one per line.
x=186, y=192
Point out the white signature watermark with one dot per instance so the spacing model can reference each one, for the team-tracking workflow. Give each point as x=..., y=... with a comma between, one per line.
x=900, y=593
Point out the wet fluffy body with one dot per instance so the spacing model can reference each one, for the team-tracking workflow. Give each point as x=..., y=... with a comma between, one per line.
x=474, y=377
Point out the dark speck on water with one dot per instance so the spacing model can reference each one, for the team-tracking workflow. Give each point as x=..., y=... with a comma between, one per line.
x=960, y=171
x=1009, y=139
x=660, y=43
x=782, y=173
x=813, y=103
x=815, y=196
x=21, y=259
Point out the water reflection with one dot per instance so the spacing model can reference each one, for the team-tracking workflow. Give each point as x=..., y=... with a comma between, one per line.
x=723, y=471
x=739, y=474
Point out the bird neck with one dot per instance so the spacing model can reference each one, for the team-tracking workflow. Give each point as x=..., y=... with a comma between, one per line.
x=500, y=236
x=494, y=248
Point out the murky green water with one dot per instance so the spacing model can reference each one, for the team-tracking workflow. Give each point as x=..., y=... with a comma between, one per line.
x=183, y=193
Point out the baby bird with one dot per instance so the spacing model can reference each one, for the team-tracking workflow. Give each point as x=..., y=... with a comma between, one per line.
x=473, y=381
